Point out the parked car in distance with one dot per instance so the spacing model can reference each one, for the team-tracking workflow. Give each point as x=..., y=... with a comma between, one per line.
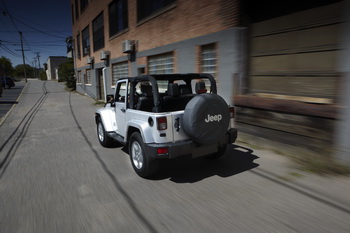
x=7, y=82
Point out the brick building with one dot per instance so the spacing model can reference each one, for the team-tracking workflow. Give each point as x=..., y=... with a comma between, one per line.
x=164, y=36
x=280, y=62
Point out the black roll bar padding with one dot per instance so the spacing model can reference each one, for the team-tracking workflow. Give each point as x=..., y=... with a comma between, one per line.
x=152, y=79
x=212, y=82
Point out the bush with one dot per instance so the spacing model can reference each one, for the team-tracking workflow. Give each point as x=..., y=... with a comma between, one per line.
x=42, y=75
x=66, y=73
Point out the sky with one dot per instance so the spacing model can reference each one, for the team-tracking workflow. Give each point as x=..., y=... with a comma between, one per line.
x=45, y=24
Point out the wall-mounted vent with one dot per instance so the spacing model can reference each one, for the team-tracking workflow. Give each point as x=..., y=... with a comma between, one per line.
x=90, y=60
x=128, y=46
x=104, y=55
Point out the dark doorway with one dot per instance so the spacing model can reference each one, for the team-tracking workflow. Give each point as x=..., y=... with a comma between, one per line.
x=100, y=84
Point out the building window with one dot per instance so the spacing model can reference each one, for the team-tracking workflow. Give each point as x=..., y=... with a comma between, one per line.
x=98, y=32
x=161, y=64
x=118, y=16
x=83, y=5
x=86, y=41
x=88, y=77
x=79, y=77
x=208, y=59
x=146, y=8
x=78, y=50
x=119, y=70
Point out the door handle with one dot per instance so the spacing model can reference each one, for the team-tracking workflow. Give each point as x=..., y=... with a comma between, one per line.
x=123, y=109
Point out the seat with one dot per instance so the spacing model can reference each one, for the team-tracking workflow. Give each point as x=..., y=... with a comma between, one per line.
x=200, y=87
x=145, y=101
x=184, y=89
x=146, y=90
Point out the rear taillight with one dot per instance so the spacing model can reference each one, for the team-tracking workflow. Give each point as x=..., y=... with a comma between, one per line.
x=162, y=151
x=232, y=112
x=162, y=123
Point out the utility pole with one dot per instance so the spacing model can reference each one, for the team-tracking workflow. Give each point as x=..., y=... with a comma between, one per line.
x=38, y=57
x=24, y=62
x=35, y=69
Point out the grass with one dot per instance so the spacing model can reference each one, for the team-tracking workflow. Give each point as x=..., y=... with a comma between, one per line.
x=99, y=102
x=323, y=164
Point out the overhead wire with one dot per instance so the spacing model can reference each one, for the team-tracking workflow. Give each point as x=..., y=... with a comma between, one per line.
x=36, y=29
x=37, y=45
x=8, y=50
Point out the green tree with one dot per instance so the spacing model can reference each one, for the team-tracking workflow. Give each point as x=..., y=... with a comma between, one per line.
x=6, y=68
x=66, y=73
x=42, y=75
x=19, y=71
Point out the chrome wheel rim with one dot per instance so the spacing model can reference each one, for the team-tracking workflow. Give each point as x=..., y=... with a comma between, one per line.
x=136, y=153
x=101, y=135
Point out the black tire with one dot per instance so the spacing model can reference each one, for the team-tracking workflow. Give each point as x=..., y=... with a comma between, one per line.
x=221, y=151
x=143, y=164
x=102, y=136
x=206, y=118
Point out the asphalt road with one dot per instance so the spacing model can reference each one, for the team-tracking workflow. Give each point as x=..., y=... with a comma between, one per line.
x=55, y=177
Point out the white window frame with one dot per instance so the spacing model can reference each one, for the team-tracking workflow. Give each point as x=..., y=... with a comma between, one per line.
x=88, y=80
x=208, y=62
x=79, y=76
x=119, y=70
x=161, y=64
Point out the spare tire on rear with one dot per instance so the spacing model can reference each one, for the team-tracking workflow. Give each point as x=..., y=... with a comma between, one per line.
x=206, y=118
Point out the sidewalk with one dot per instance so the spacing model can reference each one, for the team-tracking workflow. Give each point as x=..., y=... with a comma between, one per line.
x=276, y=164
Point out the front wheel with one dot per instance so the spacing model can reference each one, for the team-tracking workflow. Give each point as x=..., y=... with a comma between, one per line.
x=103, y=138
x=142, y=163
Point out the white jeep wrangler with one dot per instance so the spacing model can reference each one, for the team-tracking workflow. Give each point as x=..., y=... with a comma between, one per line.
x=159, y=116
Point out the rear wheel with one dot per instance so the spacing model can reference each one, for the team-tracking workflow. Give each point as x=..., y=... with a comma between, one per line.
x=142, y=163
x=103, y=138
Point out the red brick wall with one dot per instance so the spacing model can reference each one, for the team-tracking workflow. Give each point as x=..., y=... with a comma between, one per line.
x=187, y=19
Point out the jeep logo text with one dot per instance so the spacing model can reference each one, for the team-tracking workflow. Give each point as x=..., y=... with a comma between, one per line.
x=213, y=118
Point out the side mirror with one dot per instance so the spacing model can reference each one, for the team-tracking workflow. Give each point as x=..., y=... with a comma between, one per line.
x=110, y=98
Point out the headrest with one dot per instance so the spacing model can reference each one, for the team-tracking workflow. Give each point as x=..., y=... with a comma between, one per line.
x=146, y=90
x=200, y=87
x=173, y=89
x=184, y=90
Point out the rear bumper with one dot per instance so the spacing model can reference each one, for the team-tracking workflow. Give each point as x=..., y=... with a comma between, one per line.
x=189, y=147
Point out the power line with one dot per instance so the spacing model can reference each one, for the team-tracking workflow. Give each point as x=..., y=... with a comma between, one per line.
x=36, y=29
x=5, y=12
x=9, y=51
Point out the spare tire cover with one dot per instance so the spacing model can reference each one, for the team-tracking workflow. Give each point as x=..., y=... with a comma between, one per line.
x=206, y=118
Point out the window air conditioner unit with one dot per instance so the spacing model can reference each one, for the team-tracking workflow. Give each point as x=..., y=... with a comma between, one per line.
x=104, y=55
x=128, y=46
x=90, y=60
